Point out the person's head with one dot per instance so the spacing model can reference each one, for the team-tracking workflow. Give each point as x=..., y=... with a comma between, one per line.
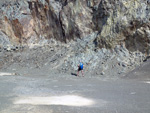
x=80, y=60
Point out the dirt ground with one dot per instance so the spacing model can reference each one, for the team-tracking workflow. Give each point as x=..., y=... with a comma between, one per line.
x=33, y=81
x=71, y=94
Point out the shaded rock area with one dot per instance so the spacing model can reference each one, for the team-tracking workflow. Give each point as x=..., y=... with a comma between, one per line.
x=111, y=37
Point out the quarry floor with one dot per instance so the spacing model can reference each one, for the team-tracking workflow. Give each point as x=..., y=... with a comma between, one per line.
x=72, y=94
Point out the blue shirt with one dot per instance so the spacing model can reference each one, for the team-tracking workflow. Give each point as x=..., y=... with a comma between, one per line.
x=81, y=65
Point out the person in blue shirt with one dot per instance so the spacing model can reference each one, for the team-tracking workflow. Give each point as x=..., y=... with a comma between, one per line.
x=80, y=68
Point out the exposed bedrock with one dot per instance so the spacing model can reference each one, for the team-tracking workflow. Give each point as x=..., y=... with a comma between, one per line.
x=123, y=21
x=117, y=21
x=106, y=34
x=35, y=21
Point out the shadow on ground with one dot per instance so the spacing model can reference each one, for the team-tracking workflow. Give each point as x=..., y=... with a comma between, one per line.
x=74, y=74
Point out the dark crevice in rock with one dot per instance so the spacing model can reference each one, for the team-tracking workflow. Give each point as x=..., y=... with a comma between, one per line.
x=100, y=16
x=30, y=5
x=46, y=20
x=63, y=32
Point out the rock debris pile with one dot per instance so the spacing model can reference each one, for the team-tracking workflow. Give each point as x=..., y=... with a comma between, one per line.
x=111, y=37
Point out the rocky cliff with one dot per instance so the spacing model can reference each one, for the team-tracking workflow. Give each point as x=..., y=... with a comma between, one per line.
x=105, y=34
x=33, y=21
x=124, y=21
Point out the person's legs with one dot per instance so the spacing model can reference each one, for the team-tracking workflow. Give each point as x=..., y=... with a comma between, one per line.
x=78, y=73
x=82, y=73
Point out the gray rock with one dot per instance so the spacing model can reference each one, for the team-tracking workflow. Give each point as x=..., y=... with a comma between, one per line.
x=124, y=64
x=102, y=73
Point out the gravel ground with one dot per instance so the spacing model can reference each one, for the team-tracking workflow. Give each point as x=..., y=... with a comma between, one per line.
x=67, y=93
x=28, y=86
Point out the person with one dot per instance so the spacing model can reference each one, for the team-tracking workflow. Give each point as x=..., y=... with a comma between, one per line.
x=80, y=68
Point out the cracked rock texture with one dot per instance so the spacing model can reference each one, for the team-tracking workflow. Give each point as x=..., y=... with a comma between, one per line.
x=108, y=35
x=36, y=21
x=117, y=21
x=123, y=21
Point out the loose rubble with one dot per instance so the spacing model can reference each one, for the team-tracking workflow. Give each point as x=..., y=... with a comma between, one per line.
x=64, y=58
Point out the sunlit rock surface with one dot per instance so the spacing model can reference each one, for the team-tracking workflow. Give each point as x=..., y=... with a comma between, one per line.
x=123, y=21
x=106, y=35
x=118, y=21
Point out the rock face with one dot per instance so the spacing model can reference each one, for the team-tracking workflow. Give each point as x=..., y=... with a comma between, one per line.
x=76, y=19
x=30, y=22
x=123, y=21
x=105, y=34
x=33, y=21
x=117, y=21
